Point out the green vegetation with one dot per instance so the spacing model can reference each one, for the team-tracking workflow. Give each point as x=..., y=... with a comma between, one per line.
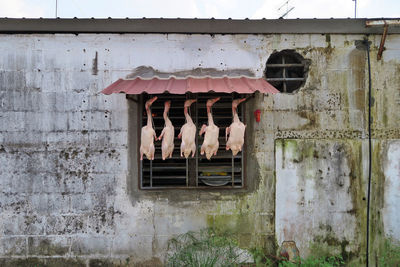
x=390, y=255
x=264, y=260
x=208, y=248
x=204, y=249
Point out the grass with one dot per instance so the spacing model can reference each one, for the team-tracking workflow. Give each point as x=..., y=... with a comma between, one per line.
x=203, y=249
x=390, y=255
x=207, y=248
x=264, y=260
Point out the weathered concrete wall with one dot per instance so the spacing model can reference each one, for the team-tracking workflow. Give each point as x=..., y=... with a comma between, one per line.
x=68, y=178
x=320, y=195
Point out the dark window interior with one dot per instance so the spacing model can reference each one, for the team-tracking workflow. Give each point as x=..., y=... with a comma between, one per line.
x=286, y=70
x=223, y=170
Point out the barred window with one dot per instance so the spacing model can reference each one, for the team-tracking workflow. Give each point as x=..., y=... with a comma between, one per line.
x=222, y=171
x=286, y=70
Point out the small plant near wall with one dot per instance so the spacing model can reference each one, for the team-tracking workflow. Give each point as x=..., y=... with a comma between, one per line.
x=390, y=255
x=265, y=260
x=205, y=248
x=208, y=248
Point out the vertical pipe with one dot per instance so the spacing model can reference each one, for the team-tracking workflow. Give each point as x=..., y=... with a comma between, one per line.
x=284, y=75
x=233, y=170
x=151, y=173
x=355, y=8
x=243, y=113
x=187, y=172
x=56, y=7
x=197, y=140
x=369, y=150
x=140, y=123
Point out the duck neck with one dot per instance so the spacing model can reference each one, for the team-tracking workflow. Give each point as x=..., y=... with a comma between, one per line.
x=187, y=116
x=149, y=118
x=209, y=115
x=235, y=115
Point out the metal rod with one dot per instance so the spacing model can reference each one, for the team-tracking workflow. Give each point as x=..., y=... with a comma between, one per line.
x=233, y=163
x=355, y=8
x=383, y=39
x=287, y=12
x=56, y=7
x=151, y=173
x=140, y=122
x=284, y=75
x=284, y=79
x=197, y=141
x=233, y=170
x=187, y=172
x=243, y=113
x=285, y=65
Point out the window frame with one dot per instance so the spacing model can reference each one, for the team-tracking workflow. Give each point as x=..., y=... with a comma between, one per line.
x=140, y=100
x=285, y=66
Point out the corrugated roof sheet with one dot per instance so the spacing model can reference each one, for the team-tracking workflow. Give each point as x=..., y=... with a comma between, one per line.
x=173, y=85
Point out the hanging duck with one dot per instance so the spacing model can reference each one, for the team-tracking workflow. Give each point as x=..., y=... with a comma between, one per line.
x=148, y=134
x=188, y=132
x=210, y=144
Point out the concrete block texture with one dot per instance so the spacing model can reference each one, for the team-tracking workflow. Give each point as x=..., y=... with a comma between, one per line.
x=69, y=171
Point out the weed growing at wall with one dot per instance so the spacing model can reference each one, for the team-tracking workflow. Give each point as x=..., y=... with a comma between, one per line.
x=205, y=248
x=264, y=260
x=390, y=255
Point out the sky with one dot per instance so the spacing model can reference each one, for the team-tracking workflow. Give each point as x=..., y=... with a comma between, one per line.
x=219, y=9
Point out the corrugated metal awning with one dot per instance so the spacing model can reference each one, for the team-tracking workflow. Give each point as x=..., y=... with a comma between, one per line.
x=173, y=85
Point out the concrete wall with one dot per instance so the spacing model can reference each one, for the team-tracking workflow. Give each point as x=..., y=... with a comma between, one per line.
x=68, y=177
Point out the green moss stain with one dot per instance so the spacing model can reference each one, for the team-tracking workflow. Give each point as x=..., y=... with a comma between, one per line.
x=249, y=217
x=45, y=247
x=291, y=148
x=328, y=245
x=328, y=39
x=358, y=180
x=42, y=262
x=377, y=235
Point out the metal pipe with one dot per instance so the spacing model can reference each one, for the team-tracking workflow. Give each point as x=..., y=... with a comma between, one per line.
x=369, y=149
x=355, y=8
x=382, y=22
x=56, y=7
x=284, y=65
x=284, y=79
x=284, y=75
x=383, y=39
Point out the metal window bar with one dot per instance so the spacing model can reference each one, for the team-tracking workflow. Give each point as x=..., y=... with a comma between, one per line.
x=160, y=174
x=285, y=79
x=284, y=75
x=233, y=162
x=197, y=142
x=140, y=108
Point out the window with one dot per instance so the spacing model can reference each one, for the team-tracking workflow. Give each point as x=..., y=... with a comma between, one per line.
x=286, y=70
x=223, y=170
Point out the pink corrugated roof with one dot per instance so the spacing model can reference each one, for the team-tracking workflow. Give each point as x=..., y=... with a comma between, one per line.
x=242, y=85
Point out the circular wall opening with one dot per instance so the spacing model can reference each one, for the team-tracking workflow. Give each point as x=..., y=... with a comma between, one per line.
x=286, y=70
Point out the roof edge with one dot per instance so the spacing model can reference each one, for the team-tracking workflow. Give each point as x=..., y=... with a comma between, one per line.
x=195, y=26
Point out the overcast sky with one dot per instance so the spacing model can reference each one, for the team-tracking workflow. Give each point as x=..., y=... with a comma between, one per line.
x=238, y=9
